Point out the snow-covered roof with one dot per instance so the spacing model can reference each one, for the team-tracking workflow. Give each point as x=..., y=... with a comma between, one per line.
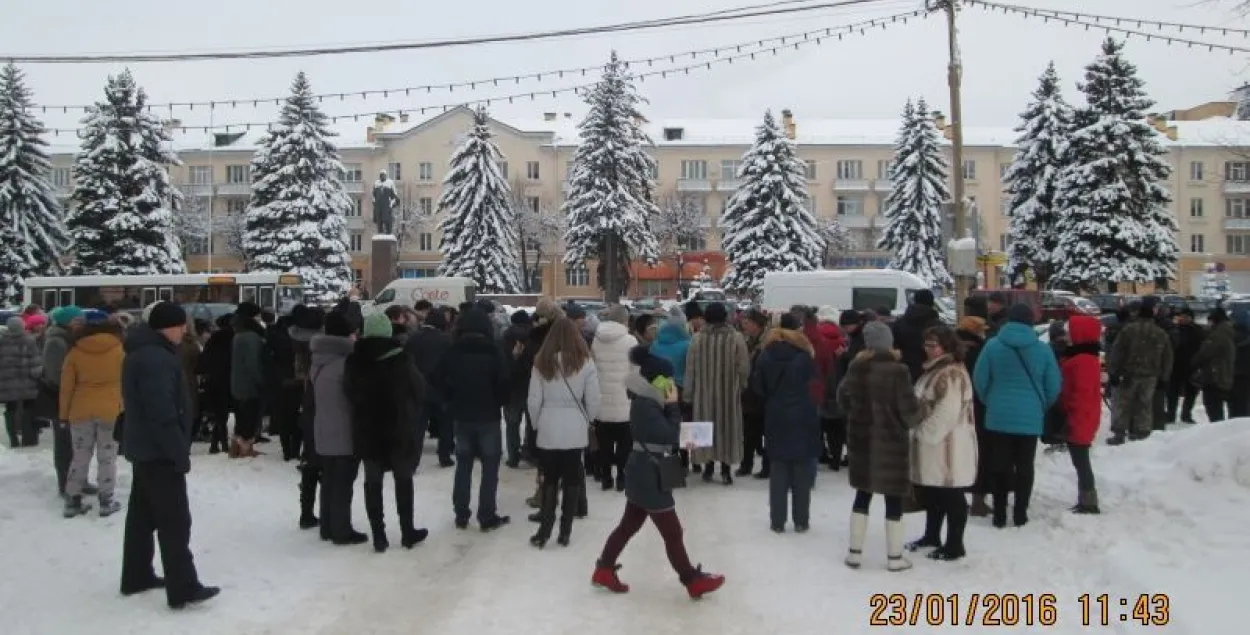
x=1213, y=132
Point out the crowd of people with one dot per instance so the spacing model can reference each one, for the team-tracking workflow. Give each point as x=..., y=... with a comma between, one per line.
x=921, y=414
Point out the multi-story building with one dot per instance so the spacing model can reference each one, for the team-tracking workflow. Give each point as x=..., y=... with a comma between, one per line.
x=848, y=167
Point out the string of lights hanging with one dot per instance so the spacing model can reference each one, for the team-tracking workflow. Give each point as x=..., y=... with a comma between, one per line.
x=490, y=82
x=1118, y=20
x=829, y=33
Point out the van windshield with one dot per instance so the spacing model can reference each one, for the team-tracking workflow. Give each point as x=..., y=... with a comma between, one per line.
x=387, y=295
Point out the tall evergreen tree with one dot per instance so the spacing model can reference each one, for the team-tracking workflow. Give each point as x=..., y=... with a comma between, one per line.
x=1032, y=179
x=298, y=213
x=767, y=225
x=610, y=204
x=913, y=209
x=1242, y=112
x=29, y=211
x=123, y=201
x=1114, y=224
x=479, y=234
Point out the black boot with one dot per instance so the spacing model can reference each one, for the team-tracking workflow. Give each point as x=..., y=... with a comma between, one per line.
x=709, y=470
x=726, y=477
x=411, y=536
x=568, y=509
x=747, y=466
x=765, y=472
x=307, y=497
x=583, y=505
x=999, y=508
x=1117, y=438
x=373, y=507
x=546, y=514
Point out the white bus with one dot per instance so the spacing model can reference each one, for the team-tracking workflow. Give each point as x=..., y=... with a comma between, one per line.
x=277, y=291
x=841, y=289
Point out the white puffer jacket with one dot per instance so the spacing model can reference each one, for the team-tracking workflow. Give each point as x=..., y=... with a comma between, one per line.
x=944, y=445
x=611, y=350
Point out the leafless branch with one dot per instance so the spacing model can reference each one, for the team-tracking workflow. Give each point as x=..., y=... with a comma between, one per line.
x=681, y=219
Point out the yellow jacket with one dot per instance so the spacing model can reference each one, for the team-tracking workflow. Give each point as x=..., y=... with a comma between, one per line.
x=91, y=379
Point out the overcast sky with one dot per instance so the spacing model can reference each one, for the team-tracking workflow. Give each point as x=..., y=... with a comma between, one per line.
x=861, y=77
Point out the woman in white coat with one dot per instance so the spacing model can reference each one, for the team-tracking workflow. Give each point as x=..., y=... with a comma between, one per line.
x=944, y=445
x=611, y=353
x=563, y=399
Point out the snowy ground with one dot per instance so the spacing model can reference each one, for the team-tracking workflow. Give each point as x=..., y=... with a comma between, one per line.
x=1176, y=508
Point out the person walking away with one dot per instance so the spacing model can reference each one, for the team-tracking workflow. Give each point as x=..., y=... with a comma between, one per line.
x=427, y=346
x=1239, y=397
x=1187, y=338
x=880, y=409
x=754, y=327
x=514, y=412
x=304, y=324
x=611, y=357
x=247, y=378
x=1018, y=378
x=909, y=330
x=655, y=425
x=718, y=367
x=851, y=323
x=564, y=397
x=214, y=367
x=386, y=392
x=157, y=443
x=944, y=445
x=1081, y=400
x=781, y=374
x=330, y=455
x=1215, y=365
x=66, y=321
x=545, y=314
x=21, y=367
x=473, y=378
x=1140, y=360
x=90, y=400
x=971, y=333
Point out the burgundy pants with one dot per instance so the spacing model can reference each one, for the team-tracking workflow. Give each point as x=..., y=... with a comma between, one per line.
x=670, y=530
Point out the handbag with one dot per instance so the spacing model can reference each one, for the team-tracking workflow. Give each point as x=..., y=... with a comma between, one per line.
x=593, y=443
x=672, y=474
x=1055, y=423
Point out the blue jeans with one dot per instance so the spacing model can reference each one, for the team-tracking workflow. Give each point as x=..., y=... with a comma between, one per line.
x=482, y=441
x=790, y=479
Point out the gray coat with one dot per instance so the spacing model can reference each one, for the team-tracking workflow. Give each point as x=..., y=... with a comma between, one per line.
x=20, y=364
x=247, y=362
x=655, y=423
x=55, y=348
x=555, y=412
x=332, y=412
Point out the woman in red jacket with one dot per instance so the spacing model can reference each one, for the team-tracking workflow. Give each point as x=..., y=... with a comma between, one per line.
x=1081, y=399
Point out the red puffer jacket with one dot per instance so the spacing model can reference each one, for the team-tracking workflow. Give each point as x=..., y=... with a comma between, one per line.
x=833, y=336
x=824, y=354
x=1081, y=395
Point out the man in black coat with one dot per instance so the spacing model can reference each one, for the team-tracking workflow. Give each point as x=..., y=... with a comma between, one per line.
x=909, y=331
x=473, y=378
x=1186, y=340
x=157, y=442
x=514, y=338
x=427, y=345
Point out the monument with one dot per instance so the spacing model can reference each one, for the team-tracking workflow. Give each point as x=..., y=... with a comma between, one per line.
x=385, y=247
x=385, y=202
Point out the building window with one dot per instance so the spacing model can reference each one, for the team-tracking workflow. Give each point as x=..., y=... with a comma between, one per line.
x=655, y=169
x=201, y=175
x=61, y=177
x=692, y=243
x=503, y=169
x=236, y=205
x=425, y=205
x=358, y=275
x=850, y=170
x=692, y=169
x=729, y=169
x=531, y=170
x=532, y=203
x=883, y=169
x=1003, y=243
x=352, y=173
x=425, y=171
x=1197, y=244
x=811, y=169
x=577, y=276
x=1002, y=170
x=1236, y=207
x=394, y=170
x=1237, y=171
x=1238, y=244
x=811, y=204
x=970, y=170
x=850, y=206
x=354, y=241
x=418, y=272
x=1195, y=170
x=1195, y=208
x=568, y=170
x=355, y=211
x=238, y=174
x=425, y=241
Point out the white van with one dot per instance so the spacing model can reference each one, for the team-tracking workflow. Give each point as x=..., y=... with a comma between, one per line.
x=841, y=289
x=439, y=291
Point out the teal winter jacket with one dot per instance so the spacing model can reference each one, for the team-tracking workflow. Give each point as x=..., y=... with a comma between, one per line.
x=671, y=343
x=1018, y=379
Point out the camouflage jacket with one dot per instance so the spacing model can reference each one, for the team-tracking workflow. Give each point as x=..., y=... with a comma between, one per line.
x=1214, y=361
x=1141, y=350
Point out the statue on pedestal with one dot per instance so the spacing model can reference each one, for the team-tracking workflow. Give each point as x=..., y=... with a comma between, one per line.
x=385, y=202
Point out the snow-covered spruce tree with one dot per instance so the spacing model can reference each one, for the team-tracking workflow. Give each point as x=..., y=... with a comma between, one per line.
x=1032, y=178
x=1114, y=225
x=913, y=209
x=610, y=204
x=123, y=201
x=1243, y=104
x=29, y=211
x=298, y=212
x=479, y=234
x=767, y=225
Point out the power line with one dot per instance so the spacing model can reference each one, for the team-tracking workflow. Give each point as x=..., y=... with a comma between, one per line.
x=406, y=91
x=838, y=33
x=1118, y=20
x=779, y=7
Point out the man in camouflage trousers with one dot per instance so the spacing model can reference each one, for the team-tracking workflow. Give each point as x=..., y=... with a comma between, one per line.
x=1140, y=362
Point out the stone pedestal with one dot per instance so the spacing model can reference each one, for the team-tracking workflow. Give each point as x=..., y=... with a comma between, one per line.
x=383, y=267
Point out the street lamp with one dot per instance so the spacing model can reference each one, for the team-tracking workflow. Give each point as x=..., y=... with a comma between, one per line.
x=680, y=264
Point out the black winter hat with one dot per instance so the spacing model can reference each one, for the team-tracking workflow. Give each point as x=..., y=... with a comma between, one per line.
x=165, y=315
x=247, y=311
x=1021, y=313
x=923, y=296
x=436, y=319
x=850, y=317
x=716, y=313
x=338, y=325
x=692, y=310
x=791, y=321
x=1147, y=308
x=650, y=366
x=475, y=321
x=521, y=318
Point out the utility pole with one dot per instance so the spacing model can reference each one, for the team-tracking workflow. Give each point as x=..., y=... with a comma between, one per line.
x=954, y=78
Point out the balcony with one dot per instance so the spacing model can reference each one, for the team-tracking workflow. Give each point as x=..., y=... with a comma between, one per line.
x=63, y=191
x=882, y=185
x=857, y=221
x=694, y=185
x=1236, y=187
x=728, y=185
x=354, y=187
x=234, y=189
x=196, y=189
x=852, y=185
x=1236, y=224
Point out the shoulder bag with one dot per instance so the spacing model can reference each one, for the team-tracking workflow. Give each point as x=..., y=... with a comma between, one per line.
x=593, y=439
x=1055, y=423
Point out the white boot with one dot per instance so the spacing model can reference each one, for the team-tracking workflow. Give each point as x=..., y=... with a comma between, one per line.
x=859, y=530
x=894, y=546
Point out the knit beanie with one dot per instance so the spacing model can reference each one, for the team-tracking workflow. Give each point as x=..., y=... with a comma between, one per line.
x=618, y=313
x=15, y=325
x=166, y=315
x=35, y=320
x=791, y=322
x=878, y=337
x=520, y=318
x=1021, y=313
x=693, y=310
x=378, y=325
x=850, y=317
x=827, y=314
x=95, y=316
x=62, y=316
x=650, y=366
x=247, y=311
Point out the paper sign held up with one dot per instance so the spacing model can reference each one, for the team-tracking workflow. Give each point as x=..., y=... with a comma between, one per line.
x=697, y=434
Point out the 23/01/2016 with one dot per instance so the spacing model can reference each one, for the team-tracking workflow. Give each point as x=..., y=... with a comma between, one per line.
x=1010, y=609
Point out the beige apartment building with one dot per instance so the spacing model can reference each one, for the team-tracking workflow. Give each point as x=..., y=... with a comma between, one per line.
x=848, y=164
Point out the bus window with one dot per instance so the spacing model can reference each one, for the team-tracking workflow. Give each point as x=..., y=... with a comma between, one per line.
x=266, y=297
x=166, y=294
x=66, y=297
x=149, y=296
x=49, y=299
x=248, y=294
x=470, y=290
x=873, y=298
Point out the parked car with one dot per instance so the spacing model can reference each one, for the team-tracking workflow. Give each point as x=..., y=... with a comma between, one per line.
x=1061, y=306
x=1112, y=302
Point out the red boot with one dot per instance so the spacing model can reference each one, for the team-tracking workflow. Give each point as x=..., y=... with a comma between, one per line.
x=703, y=583
x=604, y=577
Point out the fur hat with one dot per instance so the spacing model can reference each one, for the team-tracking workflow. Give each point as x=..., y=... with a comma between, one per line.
x=973, y=324
x=878, y=337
